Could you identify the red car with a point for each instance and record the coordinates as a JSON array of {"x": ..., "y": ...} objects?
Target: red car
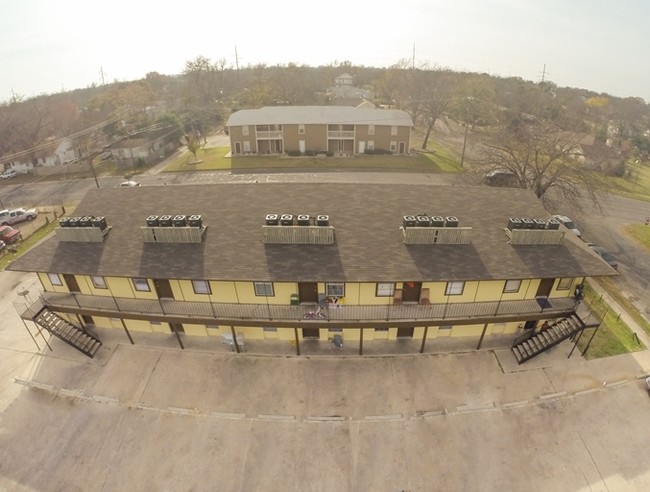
[{"x": 10, "y": 235}]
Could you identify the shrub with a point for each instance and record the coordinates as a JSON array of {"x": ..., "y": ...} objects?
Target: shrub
[
  {"x": 310, "y": 153},
  {"x": 329, "y": 153},
  {"x": 293, "y": 153}
]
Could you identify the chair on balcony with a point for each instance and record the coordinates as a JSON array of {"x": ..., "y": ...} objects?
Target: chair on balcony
[
  {"x": 424, "y": 296},
  {"x": 397, "y": 297}
]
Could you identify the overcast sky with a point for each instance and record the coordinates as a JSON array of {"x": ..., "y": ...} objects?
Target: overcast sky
[{"x": 47, "y": 46}]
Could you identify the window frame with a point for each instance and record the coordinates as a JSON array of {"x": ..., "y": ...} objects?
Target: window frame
[
  {"x": 511, "y": 290},
  {"x": 261, "y": 289},
  {"x": 371, "y": 129},
  {"x": 451, "y": 289},
  {"x": 136, "y": 280},
  {"x": 334, "y": 286},
  {"x": 55, "y": 279},
  {"x": 301, "y": 129},
  {"x": 98, "y": 281},
  {"x": 560, "y": 285},
  {"x": 245, "y": 131},
  {"x": 393, "y": 146},
  {"x": 380, "y": 286},
  {"x": 393, "y": 130},
  {"x": 206, "y": 285},
  {"x": 246, "y": 146}
]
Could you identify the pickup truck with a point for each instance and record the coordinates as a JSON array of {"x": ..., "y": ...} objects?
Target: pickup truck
[
  {"x": 10, "y": 235},
  {"x": 8, "y": 217}
]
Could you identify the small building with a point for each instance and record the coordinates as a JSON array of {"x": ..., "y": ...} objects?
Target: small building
[{"x": 319, "y": 129}]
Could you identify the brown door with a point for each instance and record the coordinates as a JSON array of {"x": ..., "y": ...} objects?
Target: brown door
[
  {"x": 545, "y": 287},
  {"x": 411, "y": 291},
  {"x": 406, "y": 332},
  {"x": 308, "y": 291},
  {"x": 163, "y": 288},
  {"x": 402, "y": 148},
  {"x": 71, "y": 282}
]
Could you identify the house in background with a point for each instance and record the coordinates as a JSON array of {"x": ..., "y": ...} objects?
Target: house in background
[
  {"x": 319, "y": 129},
  {"x": 344, "y": 93},
  {"x": 52, "y": 153},
  {"x": 144, "y": 148},
  {"x": 289, "y": 262}
]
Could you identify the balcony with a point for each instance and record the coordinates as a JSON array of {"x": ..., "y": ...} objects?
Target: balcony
[
  {"x": 287, "y": 315},
  {"x": 341, "y": 135},
  {"x": 269, "y": 135}
]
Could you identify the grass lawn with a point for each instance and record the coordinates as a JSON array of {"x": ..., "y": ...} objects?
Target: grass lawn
[
  {"x": 639, "y": 233},
  {"x": 635, "y": 186},
  {"x": 214, "y": 159},
  {"x": 613, "y": 337}
]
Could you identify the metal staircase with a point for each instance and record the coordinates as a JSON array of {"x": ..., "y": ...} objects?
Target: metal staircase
[
  {"x": 73, "y": 335},
  {"x": 529, "y": 344}
]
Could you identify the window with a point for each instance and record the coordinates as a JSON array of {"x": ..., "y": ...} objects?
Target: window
[
  {"x": 201, "y": 287},
  {"x": 335, "y": 289},
  {"x": 270, "y": 328},
  {"x": 384, "y": 328},
  {"x": 371, "y": 145},
  {"x": 301, "y": 129},
  {"x": 393, "y": 146},
  {"x": 247, "y": 146},
  {"x": 564, "y": 283},
  {"x": 98, "y": 281},
  {"x": 512, "y": 286},
  {"x": 141, "y": 284},
  {"x": 393, "y": 130},
  {"x": 264, "y": 289},
  {"x": 55, "y": 279},
  {"x": 385, "y": 289},
  {"x": 455, "y": 288},
  {"x": 244, "y": 130},
  {"x": 371, "y": 129}
]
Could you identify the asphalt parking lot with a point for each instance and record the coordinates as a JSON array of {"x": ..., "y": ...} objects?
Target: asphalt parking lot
[{"x": 153, "y": 417}]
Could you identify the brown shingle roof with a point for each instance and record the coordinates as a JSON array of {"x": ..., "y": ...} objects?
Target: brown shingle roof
[{"x": 368, "y": 244}]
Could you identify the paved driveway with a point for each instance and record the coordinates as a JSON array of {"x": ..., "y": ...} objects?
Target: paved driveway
[{"x": 153, "y": 417}]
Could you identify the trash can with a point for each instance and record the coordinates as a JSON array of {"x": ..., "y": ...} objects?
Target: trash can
[{"x": 295, "y": 300}]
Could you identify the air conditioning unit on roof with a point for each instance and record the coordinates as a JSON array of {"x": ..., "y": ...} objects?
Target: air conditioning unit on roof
[
  {"x": 195, "y": 221},
  {"x": 303, "y": 220},
  {"x": 451, "y": 221},
  {"x": 179, "y": 221},
  {"x": 408, "y": 221},
  {"x": 422, "y": 221},
  {"x": 322, "y": 220},
  {"x": 152, "y": 221},
  {"x": 272, "y": 219},
  {"x": 165, "y": 220},
  {"x": 286, "y": 219}
]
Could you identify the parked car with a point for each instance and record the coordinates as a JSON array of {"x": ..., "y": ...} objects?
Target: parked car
[
  {"x": 605, "y": 255},
  {"x": 128, "y": 184},
  {"x": 501, "y": 177},
  {"x": 8, "y": 217},
  {"x": 9, "y": 173},
  {"x": 10, "y": 235},
  {"x": 568, "y": 223}
]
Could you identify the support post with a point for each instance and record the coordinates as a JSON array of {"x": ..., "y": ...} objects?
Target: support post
[
  {"x": 480, "y": 340},
  {"x": 360, "y": 341},
  {"x": 126, "y": 330},
  {"x": 30, "y": 334},
  {"x": 575, "y": 344},
  {"x": 178, "y": 336},
  {"x": 424, "y": 339},
  {"x": 584, "y": 352},
  {"x": 295, "y": 334},
  {"x": 234, "y": 339}
]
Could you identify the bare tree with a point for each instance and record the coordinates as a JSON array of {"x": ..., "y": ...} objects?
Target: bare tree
[{"x": 544, "y": 159}]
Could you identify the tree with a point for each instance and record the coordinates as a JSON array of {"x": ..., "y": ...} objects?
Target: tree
[
  {"x": 193, "y": 143},
  {"x": 544, "y": 159}
]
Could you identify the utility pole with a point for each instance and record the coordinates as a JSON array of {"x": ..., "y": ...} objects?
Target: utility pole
[
  {"x": 101, "y": 73},
  {"x": 544, "y": 72},
  {"x": 413, "y": 59},
  {"x": 236, "y": 59}
]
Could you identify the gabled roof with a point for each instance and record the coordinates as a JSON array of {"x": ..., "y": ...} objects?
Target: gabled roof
[
  {"x": 368, "y": 241},
  {"x": 320, "y": 115}
]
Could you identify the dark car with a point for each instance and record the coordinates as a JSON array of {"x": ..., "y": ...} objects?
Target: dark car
[
  {"x": 605, "y": 255},
  {"x": 10, "y": 235},
  {"x": 501, "y": 177}
]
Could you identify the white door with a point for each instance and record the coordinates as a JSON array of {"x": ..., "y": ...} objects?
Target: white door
[
  {"x": 362, "y": 147},
  {"x": 301, "y": 145}
]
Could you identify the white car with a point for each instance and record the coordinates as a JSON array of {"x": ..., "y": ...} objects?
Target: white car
[
  {"x": 568, "y": 223},
  {"x": 128, "y": 184},
  {"x": 9, "y": 217},
  {"x": 9, "y": 173}
]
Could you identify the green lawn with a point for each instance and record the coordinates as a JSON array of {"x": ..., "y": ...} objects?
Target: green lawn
[
  {"x": 613, "y": 337},
  {"x": 637, "y": 185},
  {"x": 215, "y": 159},
  {"x": 639, "y": 233}
]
